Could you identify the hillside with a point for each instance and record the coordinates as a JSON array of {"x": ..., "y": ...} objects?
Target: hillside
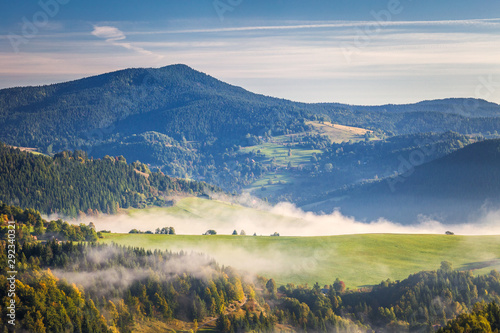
[
  {"x": 461, "y": 115},
  {"x": 95, "y": 287},
  {"x": 190, "y": 124},
  {"x": 71, "y": 183},
  {"x": 312, "y": 173},
  {"x": 359, "y": 260},
  {"x": 459, "y": 187},
  {"x": 469, "y": 107}
]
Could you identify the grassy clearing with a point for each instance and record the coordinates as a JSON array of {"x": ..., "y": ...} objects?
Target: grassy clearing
[
  {"x": 29, "y": 150},
  {"x": 279, "y": 153},
  {"x": 338, "y": 133},
  {"x": 356, "y": 259}
]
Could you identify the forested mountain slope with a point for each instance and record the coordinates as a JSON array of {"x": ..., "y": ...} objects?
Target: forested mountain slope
[
  {"x": 70, "y": 183},
  {"x": 459, "y": 187}
]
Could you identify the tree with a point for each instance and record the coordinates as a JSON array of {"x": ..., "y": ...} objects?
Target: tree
[
  {"x": 243, "y": 233},
  {"x": 223, "y": 324},
  {"x": 235, "y": 233},
  {"x": 339, "y": 286},
  {"x": 271, "y": 287},
  {"x": 39, "y": 326},
  {"x": 210, "y": 232},
  {"x": 446, "y": 266},
  {"x": 39, "y": 229}
]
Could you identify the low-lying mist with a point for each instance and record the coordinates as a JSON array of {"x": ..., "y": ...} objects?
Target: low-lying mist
[
  {"x": 196, "y": 216},
  {"x": 308, "y": 260}
]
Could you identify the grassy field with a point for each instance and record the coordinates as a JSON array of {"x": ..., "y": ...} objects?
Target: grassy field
[
  {"x": 338, "y": 133},
  {"x": 279, "y": 152},
  {"x": 356, "y": 259}
]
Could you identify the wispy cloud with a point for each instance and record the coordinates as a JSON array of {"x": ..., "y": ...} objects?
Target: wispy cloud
[
  {"x": 115, "y": 37},
  {"x": 491, "y": 23},
  {"x": 405, "y": 61},
  {"x": 110, "y": 34}
]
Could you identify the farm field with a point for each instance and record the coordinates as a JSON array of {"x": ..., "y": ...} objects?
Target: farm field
[{"x": 358, "y": 260}]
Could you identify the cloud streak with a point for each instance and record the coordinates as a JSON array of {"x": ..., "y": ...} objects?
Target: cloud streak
[
  {"x": 490, "y": 23},
  {"x": 115, "y": 37}
]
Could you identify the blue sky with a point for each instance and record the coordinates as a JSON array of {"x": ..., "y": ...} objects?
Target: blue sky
[{"x": 356, "y": 52}]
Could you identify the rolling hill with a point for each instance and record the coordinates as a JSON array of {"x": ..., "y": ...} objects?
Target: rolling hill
[
  {"x": 457, "y": 188},
  {"x": 359, "y": 260}
]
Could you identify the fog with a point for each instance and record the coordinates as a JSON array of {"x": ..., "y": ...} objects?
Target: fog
[
  {"x": 114, "y": 279},
  {"x": 255, "y": 216}
]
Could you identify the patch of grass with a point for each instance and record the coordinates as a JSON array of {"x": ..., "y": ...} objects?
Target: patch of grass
[
  {"x": 279, "y": 153},
  {"x": 338, "y": 133},
  {"x": 154, "y": 326},
  {"x": 358, "y": 260}
]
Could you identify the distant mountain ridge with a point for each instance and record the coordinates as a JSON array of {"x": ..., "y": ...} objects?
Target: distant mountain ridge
[{"x": 467, "y": 107}]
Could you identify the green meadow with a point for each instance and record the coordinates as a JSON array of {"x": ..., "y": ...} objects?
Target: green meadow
[{"x": 358, "y": 260}]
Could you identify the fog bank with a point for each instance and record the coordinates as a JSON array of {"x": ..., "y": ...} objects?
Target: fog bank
[{"x": 196, "y": 216}]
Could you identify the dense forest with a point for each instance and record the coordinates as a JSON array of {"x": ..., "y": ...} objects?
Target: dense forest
[
  {"x": 67, "y": 287},
  {"x": 175, "y": 100},
  {"x": 71, "y": 183},
  {"x": 420, "y": 303},
  {"x": 87, "y": 287},
  {"x": 31, "y": 226}
]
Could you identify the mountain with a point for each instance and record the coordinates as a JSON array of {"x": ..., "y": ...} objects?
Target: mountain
[
  {"x": 457, "y": 188},
  {"x": 183, "y": 103},
  {"x": 71, "y": 183},
  {"x": 175, "y": 100},
  {"x": 189, "y": 124}
]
